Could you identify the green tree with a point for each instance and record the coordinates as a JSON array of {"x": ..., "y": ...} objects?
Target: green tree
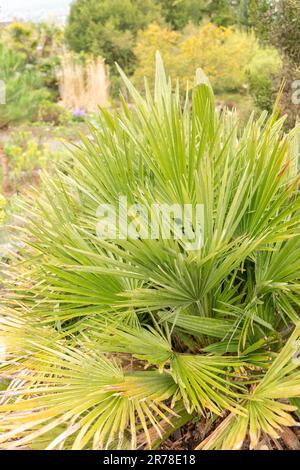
[
  {"x": 285, "y": 33},
  {"x": 255, "y": 14},
  {"x": 278, "y": 22},
  {"x": 41, "y": 44},
  {"x": 221, "y": 12},
  {"x": 107, "y": 28},
  {"x": 177, "y": 13},
  {"x": 22, "y": 93}
]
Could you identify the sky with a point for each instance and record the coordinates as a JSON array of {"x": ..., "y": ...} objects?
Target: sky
[{"x": 33, "y": 9}]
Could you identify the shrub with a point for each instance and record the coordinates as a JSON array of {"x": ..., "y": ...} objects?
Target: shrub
[
  {"x": 223, "y": 53},
  {"x": 40, "y": 46},
  {"x": 53, "y": 113},
  {"x": 36, "y": 41},
  {"x": 263, "y": 73},
  {"x": 22, "y": 38},
  {"x": 104, "y": 340},
  {"x": 27, "y": 156},
  {"x": 155, "y": 38},
  {"x": 48, "y": 69},
  {"x": 261, "y": 89}
]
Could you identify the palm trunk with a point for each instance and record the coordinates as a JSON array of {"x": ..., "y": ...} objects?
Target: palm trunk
[{"x": 6, "y": 186}]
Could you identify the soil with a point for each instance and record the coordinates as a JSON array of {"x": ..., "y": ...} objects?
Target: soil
[{"x": 192, "y": 434}]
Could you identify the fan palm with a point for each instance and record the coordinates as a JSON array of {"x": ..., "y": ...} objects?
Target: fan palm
[{"x": 117, "y": 342}]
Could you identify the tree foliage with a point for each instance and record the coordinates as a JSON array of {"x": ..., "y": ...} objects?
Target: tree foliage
[
  {"x": 225, "y": 54},
  {"x": 108, "y": 28},
  {"x": 278, "y": 23},
  {"x": 221, "y": 12},
  {"x": 21, "y": 92},
  {"x": 178, "y": 13},
  {"x": 257, "y": 14},
  {"x": 22, "y": 88},
  {"x": 285, "y": 33}
]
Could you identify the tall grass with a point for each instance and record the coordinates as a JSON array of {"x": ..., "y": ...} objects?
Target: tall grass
[{"x": 84, "y": 85}]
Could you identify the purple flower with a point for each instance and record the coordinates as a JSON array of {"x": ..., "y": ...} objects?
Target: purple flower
[{"x": 79, "y": 113}]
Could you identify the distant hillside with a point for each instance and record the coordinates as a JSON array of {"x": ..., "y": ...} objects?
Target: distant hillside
[{"x": 34, "y": 9}]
